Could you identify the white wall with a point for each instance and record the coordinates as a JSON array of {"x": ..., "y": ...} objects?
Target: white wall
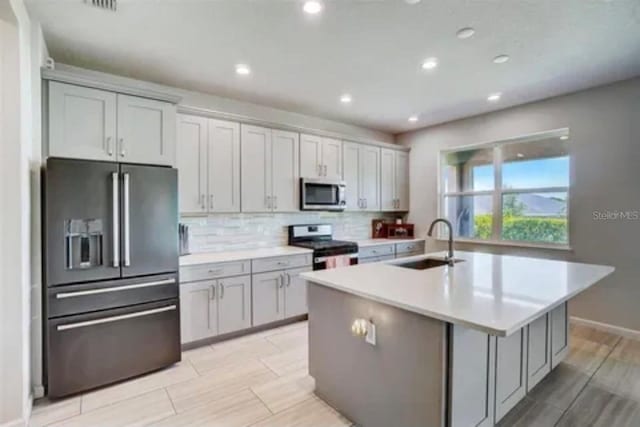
[{"x": 604, "y": 124}]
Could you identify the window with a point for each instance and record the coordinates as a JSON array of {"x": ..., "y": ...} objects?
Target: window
[{"x": 510, "y": 191}]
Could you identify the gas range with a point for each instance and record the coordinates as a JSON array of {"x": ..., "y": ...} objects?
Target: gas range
[{"x": 319, "y": 238}]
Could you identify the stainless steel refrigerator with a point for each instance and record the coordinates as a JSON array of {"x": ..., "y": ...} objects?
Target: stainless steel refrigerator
[{"x": 111, "y": 301}]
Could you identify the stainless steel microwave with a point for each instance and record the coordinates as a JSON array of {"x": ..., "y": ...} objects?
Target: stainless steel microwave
[{"x": 322, "y": 194}]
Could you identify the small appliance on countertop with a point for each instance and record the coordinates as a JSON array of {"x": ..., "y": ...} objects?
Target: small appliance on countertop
[
  {"x": 327, "y": 252},
  {"x": 183, "y": 239}
]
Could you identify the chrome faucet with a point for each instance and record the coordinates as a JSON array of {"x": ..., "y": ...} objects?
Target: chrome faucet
[{"x": 449, "y": 256}]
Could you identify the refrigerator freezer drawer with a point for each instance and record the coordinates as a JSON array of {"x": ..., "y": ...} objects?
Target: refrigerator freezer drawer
[
  {"x": 90, "y": 350},
  {"x": 90, "y": 297}
]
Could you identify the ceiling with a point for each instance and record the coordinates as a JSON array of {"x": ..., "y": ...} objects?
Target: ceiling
[{"x": 371, "y": 49}]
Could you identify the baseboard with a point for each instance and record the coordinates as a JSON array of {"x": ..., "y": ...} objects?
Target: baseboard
[
  {"x": 38, "y": 391},
  {"x": 618, "y": 330},
  {"x": 15, "y": 423}
]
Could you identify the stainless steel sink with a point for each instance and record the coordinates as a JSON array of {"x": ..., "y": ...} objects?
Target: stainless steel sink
[{"x": 426, "y": 263}]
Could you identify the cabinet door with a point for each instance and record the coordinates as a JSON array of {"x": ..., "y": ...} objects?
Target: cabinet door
[
  {"x": 224, "y": 166},
  {"x": 198, "y": 315},
  {"x": 472, "y": 359},
  {"x": 538, "y": 351},
  {"x": 350, "y": 174},
  {"x": 387, "y": 180},
  {"x": 82, "y": 122},
  {"x": 402, "y": 180},
  {"x": 256, "y": 169},
  {"x": 146, "y": 131},
  {"x": 285, "y": 172},
  {"x": 234, "y": 304},
  {"x": 559, "y": 334},
  {"x": 332, "y": 158},
  {"x": 267, "y": 300},
  {"x": 310, "y": 156},
  {"x": 295, "y": 292},
  {"x": 511, "y": 372},
  {"x": 370, "y": 177},
  {"x": 191, "y": 161}
]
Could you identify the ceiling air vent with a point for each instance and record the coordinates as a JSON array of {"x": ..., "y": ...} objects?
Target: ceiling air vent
[{"x": 104, "y": 4}]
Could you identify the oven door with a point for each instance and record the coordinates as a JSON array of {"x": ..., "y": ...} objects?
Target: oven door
[{"x": 317, "y": 194}]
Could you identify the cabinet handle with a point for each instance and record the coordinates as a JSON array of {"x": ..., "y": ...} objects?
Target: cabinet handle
[
  {"x": 211, "y": 201},
  {"x": 123, "y": 152},
  {"x": 216, "y": 271},
  {"x": 319, "y": 169},
  {"x": 288, "y": 279},
  {"x": 221, "y": 290},
  {"x": 109, "y": 146},
  {"x": 202, "y": 205},
  {"x": 325, "y": 170},
  {"x": 275, "y": 202},
  {"x": 212, "y": 292},
  {"x": 365, "y": 203},
  {"x": 281, "y": 281},
  {"x": 267, "y": 202}
]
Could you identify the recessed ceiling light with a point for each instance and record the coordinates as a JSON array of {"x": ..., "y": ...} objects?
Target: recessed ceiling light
[
  {"x": 430, "y": 63},
  {"x": 243, "y": 69},
  {"x": 564, "y": 137},
  {"x": 312, "y": 7},
  {"x": 501, "y": 59},
  {"x": 465, "y": 33},
  {"x": 413, "y": 119},
  {"x": 494, "y": 97},
  {"x": 346, "y": 98}
]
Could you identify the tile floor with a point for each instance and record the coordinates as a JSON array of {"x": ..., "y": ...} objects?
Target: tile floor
[{"x": 262, "y": 380}]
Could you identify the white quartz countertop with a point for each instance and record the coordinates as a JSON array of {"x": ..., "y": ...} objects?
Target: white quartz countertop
[
  {"x": 494, "y": 293},
  {"x": 213, "y": 257},
  {"x": 378, "y": 242}
]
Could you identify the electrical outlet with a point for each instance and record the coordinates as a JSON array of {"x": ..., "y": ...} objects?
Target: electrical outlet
[{"x": 370, "y": 338}]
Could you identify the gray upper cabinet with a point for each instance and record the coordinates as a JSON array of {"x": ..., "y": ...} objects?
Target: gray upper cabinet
[
  {"x": 295, "y": 292},
  {"x": 320, "y": 157},
  {"x": 223, "y": 166},
  {"x": 394, "y": 187},
  {"x": 511, "y": 372},
  {"x": 146, "y": 131},
  {"x": 82, "y": 122},
  {"x": 198, "y": 311},
  {"x": 361, "y": 172},
  {"x": 234, "y": 304},
  {"x": 270, "y": 170},
  {"x": 192, "y": 163},
  {"x": 267, "y": 297},
  {"x": 92, "y": 124}
]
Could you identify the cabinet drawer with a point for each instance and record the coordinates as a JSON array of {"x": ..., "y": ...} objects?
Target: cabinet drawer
[
  {"x": 409, "y": 254},
  {"x": 381, "y": 250},
  {"x": 371, "y": 259},
  {"x": 409, "y": 247},
  {"x": 280, "y": 263},
  {"x": 213, "y": 271}
]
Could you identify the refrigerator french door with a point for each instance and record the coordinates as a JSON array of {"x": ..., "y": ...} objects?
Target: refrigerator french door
[{"x": 111, "y": 272}]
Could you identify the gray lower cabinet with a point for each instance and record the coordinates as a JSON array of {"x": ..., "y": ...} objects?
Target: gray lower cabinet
[
  {"x": 472, "y": 360},
  {"x": 198, "y": 311},
  {"x": 559, "y": 326},
  {"x": 511, "y": 371},
  {"x": 369, "y": 260},
  {"x": 213, "y": 307},
  {"x": 279, "y": 295},
  {"x": 234, "y": 304},
  {"x": 538, "y": 351}
]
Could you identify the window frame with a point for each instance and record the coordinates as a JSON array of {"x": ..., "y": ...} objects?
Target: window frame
[{"x": 498, "y": 192}]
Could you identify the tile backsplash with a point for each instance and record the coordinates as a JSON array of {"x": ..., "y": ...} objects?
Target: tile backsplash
[{"x": 228, "y": 232}]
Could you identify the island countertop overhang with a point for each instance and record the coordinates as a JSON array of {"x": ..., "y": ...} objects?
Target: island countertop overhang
[{"x": 497, "y": 294}]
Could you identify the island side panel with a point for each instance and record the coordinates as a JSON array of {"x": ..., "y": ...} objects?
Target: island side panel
[{"x": 401, "y": 381}]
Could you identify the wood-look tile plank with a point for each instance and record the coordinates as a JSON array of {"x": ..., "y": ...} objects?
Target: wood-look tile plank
[
  {"x": 285, "y": 392},
  {"x": 529, "y": 413},
  {"x": 136, "y": 412},
  {"x": 234, "y": 352},
  {"x": 627, "y": 350},
  {"x": 45, "y": 411},
  {"x": 311, "y": 413},
  {"x": 560, "y": 387},
  {"x": 179, "y": 372},
  {"x": 218, "y": 383},
  {"x": 236, "y": 410},
  {"x": 288, "y": 361},
  {"x": 619, "y": 377},
  {"x": 289, "y": 340},
  {"x": 586, "y": 355},
  {"x": 597, "y": 407},
  {"x": 591, "y": 334}
]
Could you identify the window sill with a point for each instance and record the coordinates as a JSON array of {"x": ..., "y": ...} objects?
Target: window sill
[{"x": 510, "y": 244}]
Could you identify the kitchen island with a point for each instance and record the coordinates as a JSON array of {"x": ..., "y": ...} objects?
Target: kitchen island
[{"x": 450, "y": 345}]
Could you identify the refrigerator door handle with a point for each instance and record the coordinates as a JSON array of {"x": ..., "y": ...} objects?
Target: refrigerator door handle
[
  {"x": 127, "y": 223},
  {"x": 115, "y": 318},
  {"x": 116, "y": 220}
]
